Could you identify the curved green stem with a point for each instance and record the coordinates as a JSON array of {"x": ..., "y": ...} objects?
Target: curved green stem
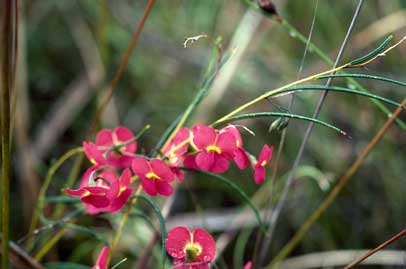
[
  {"x": 41, "y": 196},
  {"x": 280, "y": 114}
]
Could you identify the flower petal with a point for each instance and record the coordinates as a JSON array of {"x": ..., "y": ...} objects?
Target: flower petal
[
  {"x": 206, "y": 241},
  {"x": 266, "y": 154},
  {"x": 190, "y": 162},
  {"x": 226, "y": 142},
  {"x": 93, "y": 154},
  {"x": 176, "y": 241},
  {"x": 161, "y": 169},
  {"x": 125, "y": 178},
  {"x": 163, "y": 188},
  {"x": 149, "y": 187},
  {"x": 140, "y": 167},
  {"x": 96, "y": 200},
  {"x": 120, "y": 201},
  {"x": 259, "y": 175},
  {"x": 203, "y": 136},
  {"x": 220, "y": 164},
  {"x": 109, "y": 175},
  {"x": 104, "y": 138},
  {"x": 123, "y": 135},
  {"x": 241, "y": 158},
  {"x": 101, "y": 262},
  {"x": 205, "y": 160},
  {"x": 77, "y": 193}
]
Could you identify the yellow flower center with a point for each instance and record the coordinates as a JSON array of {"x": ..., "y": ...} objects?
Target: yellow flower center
[
  {"x": 263, "y": 163},
  {"x": 213, "y": 148},
  {"x": 122, "y": 189},
  {"x": 192, "y": 251},
  {"x": 152, "y": 175}
]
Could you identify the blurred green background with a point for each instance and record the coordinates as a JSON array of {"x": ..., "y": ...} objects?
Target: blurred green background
[{"x": 70, "y": 51}]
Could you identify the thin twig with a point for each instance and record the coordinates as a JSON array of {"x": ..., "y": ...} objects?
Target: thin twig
[
  {"x": 282, "y": 200},
  {"x": 122, "y": 66},
  {"x": 339, "y": 258},
  {"x": 294, "y": 241},
  {"x": 375, "y": 250}
]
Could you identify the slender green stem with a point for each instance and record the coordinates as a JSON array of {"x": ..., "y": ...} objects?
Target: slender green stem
[
  {"x": 343, "y": 181},
  {"x": 5, "y": 130},
  {"x": 45, "y": 185}
]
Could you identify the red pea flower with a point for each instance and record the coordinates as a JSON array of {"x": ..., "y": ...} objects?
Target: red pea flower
[
  {"x": 216, "y": 149},
  {"x": 263, "y": 159},
  {"x": 193, "y": 249},
  {"x": 155, "y": 175},
  {"x": 101, "y": 262},
  {"x": 241, "y": 157},
  {"x": 175, "y": 150},
  {"x": 106, "y": 194},
  {"x": 111, "y": 147}
]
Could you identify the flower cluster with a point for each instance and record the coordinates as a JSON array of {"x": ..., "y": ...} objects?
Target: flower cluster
[{"x": 107, "y": 184}]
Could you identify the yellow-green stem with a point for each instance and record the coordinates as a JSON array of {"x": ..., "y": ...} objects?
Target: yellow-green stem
[
  {"x": 44, "y": 250},
  {"x": 279, "y": 90},
  {"x": 295, "y": 240},
  {"x": 125, "y": 217}
]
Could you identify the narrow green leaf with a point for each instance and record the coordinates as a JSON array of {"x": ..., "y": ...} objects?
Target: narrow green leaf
[
  {"x": 162, "y": 224},
  {"x": 373, "y": 53},
  {"x": 235, "y": 188},
  {"x": 338, "y": 89},
  {"x": 86, "y": 230},
  {"x": 280, "y": 114},
  {"x": 63, "y": 199},
  {"x": 147, "y": 219},
  {"x": 344, "y": 75},
  {"x": 119, "y": 263},
  {"x": 65, "y": 265}
]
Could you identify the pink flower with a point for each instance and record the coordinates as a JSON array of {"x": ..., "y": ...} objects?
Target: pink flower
[
  {"x": 241, "y": 157},
  {"x": 175, "y": 150},
  {"x": 101, "y": 262},
  {"x": 263, "y": 159},
  {"x": 248, "y": 265},
  {"x": 155, "y": 175},
  {"x": 215, "y": 149},
  {"x": 193, "y": 249},
  {"x": 106, "y": 193},
  {"x": 111, "y": 148}
]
